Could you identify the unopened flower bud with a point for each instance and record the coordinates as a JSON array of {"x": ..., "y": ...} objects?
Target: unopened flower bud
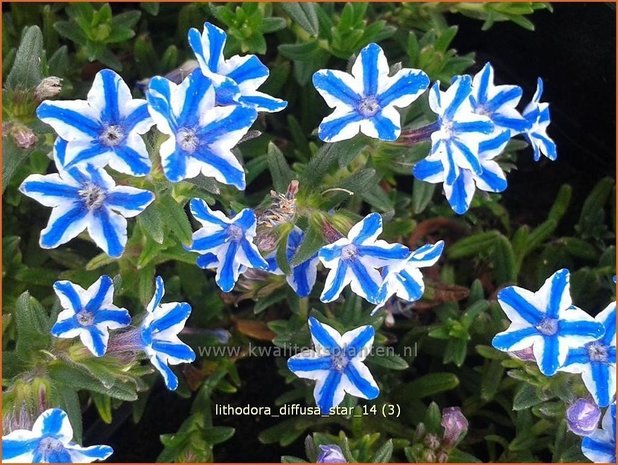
[
  {"x": 48, "y": 88},
  {"x": 22, "y": 135},
  {"x": 527, "y": 355},
  {"x": 330, "y": 233},
  {"x": 429, "y": 456},
  {"x": 455, "y": 426},
  {"x": 431, "y": 441},
  {"x": 442, "y": 457},
  {"x": 583, "y": 417},
  {"x": 330, "y": 453}
]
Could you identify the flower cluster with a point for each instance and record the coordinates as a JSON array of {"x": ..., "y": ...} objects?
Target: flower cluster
[{"x": 565, "y": 338}]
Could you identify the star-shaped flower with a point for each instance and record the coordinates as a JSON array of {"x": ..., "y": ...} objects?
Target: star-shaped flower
[
  {"x": 86, "y": 197},
  {"x": 459, "y": 130},
  {"x": 49, "y": 441},
  {"x": 236, "y": 80},
  {"x": 159, "y": 334},
  {"x": 546, "y": 320},
  {"x": 596, "y": 360},
  {"x": 89, "y": 314},
  {"x": 404, "y": 278},
  {"x": 461, "y": 192},
  {"x": 600, "y": 446},
  {"x": 229, "y": 239},
  {"x": 202, "y": 135},
  {"x": 367, "y": 100},
  {"x": 302, "y": 277},
  {"x": 497, "y": 102},
  {"x": 355, "y": 260},
  {"x": 105, "y": 129},
  {"x": 336, "y": 364},
  {"x": 537, "y": 115}
]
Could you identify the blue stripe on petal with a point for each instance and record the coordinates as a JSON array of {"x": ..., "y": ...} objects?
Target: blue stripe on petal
[
  {"x": 195, "y": 92},
  {"x": 158, "y": 294},
  {"x": 309, "y": 364},
  {"x": 598, "y": 451},
  {"x": 139, "y": 165},
  {"x": 495, "y": 182},
  {"x": 171, "y": 349},
  {"x": 252, "y": 68},
  {"x": 57, "y": 456},
  {"x": 253, "y": 255},
  {"x": 394, "y": 252},
  {"x": 581, "y": 328},
  {"x": 203, "y": 244},
  {"x": 105, "y": 283},
  {"x": 525, "y": 309},
  {"x": 206, "y": 260},
  {"x": 135, "y": 117},
  {"x": 579, "y": 356},
  {"x": 326, "y": 396},
  {"x": 368, "y": 285},
  {"x": 54, "y": 235},
  {"x": 328, "y": 82},
  {"x": 600, "y": 377},
  {"x": 228, "y": 269},
  {"x": 559, "y": 285},
  {"x": 246, "y": 219},
  {"x": 369, "y": 390},
  {"x": 170, "y": 379},
  {"x": 322, "y": 336},
  {"x": 92, "y": 453},
  {"x": 462, "y": 91},
  {"x": 331, "y": 293},
  {"x": 482, "y": 127},
  {"x": 300, "y": 279},
  {"x": 514, "y": 124},
  {"x": 457, "y": 196},
  {"x": 450, "y": 167},
  {"x": 511, "y": 93},
  {"x": 66, "y": 288},
  {"x": 485, "y": 77},
  {"x": 112, "y": 316},
  {"x": 506, "y": 340},
  {"x": 64, "y": 326},
  {"x": 549, "y": 362},
  {"x": 177, "y": 315},
  {"x": 263, "y": 102},
  {"x": 199, "y": 209},
  {"x": 53, "y": 421},
  {"x": 330, "y": 252},
  {"x": 369, "y": 59},
  {"x": 14, "y": 448},
  {"x": 48, "y": 111},
  {"x": 99, "y": 346},
  {"x": 408, "y": 83},
  {"x": 370, "y": 225},
  {"x": 175, "y": 165},
  {"x": 386, "y": 129},
  {"x": 133, "y": 202},
  {"x": 195, "y": 42},
  {"x": 216, "y": 41},
  {"x": 231, "y": 174},
  {"x": 51, "y": 189},
  {"x": 427, "y": 169},
  {"x": 86, "y": 155},
  {"x": 240, "y": 118},
  {"x": 110, "y": 113},
  {"x": 357, "y": 345},
  {"x": 113, "y": 245},
  {"x": 329, "y": 130},
  {"x": 472, "y": 159},
  {"x": 413, "y": 288}
]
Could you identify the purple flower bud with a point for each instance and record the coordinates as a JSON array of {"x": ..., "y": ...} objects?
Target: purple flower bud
[
  {"x": 330, "y": 453},
  {"x": 455, "y": 426},
  {"x": 527, "y": 355},
  {"x": 48, "y": 88},
  {"x": 583, "y": 417}
]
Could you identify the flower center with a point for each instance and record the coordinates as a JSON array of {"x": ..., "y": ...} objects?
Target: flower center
[
  {"x": 339, "y": 360},
  {"x": 112, "y": 135},
  {"x": 84, "y": 317},
  {"x": 187, "y": 140},
  {"x": 49, "y": 444},
  {"x": 447, "y": 128},
  {"x": 92, "y": 195},
  {"x": 548, "y": 326},
  {"x": 368, "y": 106},
  {"x": 349, "y": 251},
  {"x": 235, "y": 233},
  {"x": 597, "y": 351}
]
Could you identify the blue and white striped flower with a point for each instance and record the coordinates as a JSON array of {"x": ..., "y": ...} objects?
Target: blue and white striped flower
[
  {"x": 302, "y": 277},
  {"x": 355, "y": 260},
  {"x": 89, "y": 314},
  {"x": 336, "y": 364},
  {"x": 86, "y": 197},
  {"x": 460, "y": 130},
  {"x": 538, "y": 117},
  {"x": 49, "y": 441},
  {"x": 236, "y": 80},
  {"x": 497, "y": 102},
  {"x": 159, "y": 333},
  {"x": 596, "y": 361},
  {"x": 547, "y": 320},
  {"x": 404, "y": 278},
  {"x": 105, "y": 129},
  {"x": 600, "y": 446},
  {"x": 367, "y": 100},
  {"x": 461, "y": 192},
  {"x": 229, "y": 240},
  {"x": 202, "y": 135}
]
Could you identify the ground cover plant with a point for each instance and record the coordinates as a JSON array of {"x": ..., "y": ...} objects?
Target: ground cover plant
[{"x": 291, "y": 216}]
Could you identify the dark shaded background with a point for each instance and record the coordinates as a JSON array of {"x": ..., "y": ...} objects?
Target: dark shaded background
[{"x": 573, "y": 49}]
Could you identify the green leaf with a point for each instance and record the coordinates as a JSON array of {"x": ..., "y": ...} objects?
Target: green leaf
[
  {"x": 33, "y": 326},
  {"x": 472, "y": 245},
  {"x": 422, "y": 192},
  {"x": 27, "y": 70},
  {"x": 282, "y": 251},
  {"x": 526, "y": 397},
  {"x": 312, "y": 242},
  {"x": 71, "y": 31},
  {"x": 539, "y": 234},
  {"x": 303, "y": 51},
  {"x": 174, "y": 216},
  {"x": 304, "y": 14},
  {"x": 431, "y": 384},
  {"x": 151, "y": 222},
  {"x": 561, "y": 203},
  {"x": 493, "y": 373},
  {"x": 280, "y": 171},
  {"x": 391, "y": 361},
  {"x": 12, "y": 158},
  {"x": 78, "y": 379},
  {"x": 327, "y": 157},
  {"x": 504, "y": 260},
  {"x": 384, "y": 453},
  {"x": 103, "y": 403},
  {"x": 218, "y": 434},
  {"x": 126, "y": 20}
]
